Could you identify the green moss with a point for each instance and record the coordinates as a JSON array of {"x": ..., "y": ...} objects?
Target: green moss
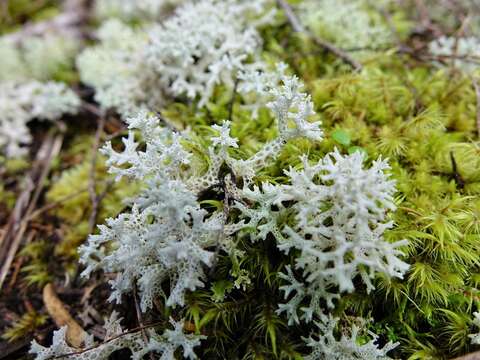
[
  {"x": 16, "y": 12},
  {"x": 27, "y": 323},
  {"x": 38, "y": 268},
  {"x": 71, "y": 192},
  {"x": 421, "y": 118}
]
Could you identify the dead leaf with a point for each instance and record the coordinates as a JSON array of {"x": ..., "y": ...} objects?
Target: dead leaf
[{"x": 55, "y": 307}]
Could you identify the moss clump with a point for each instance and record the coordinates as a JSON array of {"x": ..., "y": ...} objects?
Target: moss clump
[{"x": 71, "y": 192}]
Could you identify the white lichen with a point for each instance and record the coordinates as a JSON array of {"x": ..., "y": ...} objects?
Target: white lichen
[
  {"x": 114, "y": 69},
  {"x": 203, "y": 44},
  {"x": 167, "y": 235},
  {"x": 340, "y": 209},
  {"x": 349, "y": 24},
  {"x": 475, "y": 337},
  {"x": 116, "y": 339},
  {"x": 326, "y": 345},
  {"x": 332, "y": 213},
  {"x": 36, "y": 57},
  {"x": 461, "y": 52},
  {"x": 340, "y": 212},
  {"x": 21, "y": 102}
]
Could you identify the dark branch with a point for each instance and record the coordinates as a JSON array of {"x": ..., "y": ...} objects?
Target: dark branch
[{"x": 298, "y": 27}]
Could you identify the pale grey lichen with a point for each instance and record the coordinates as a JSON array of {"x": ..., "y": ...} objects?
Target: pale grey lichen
[
  {"x": 21, "y": 102},
  {"x": 326, "y": 345},
  {"x": 116, "y": 339},
  {"x": 201, "y": 45},
  {"x": 337, "y": 210},
  {"x": 167, "y": 235},
  {"x": 475, "y": 337},
  {"x": 461, "y": 52},
  {"x": 349, "y": 24},
  {"x": 36, "y": 57},
  {"x": 340, "y": 212}
]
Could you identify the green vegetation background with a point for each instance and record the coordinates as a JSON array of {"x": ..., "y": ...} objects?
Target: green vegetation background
[{"x": 419, "y": 116}]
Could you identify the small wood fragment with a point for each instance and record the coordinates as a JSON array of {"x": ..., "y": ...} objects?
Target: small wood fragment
[{"x": 14, "y": 231}]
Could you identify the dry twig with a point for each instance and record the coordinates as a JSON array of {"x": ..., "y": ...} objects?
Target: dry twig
[
  {"x": 298, "y": 27},
  {"x": 54, "y": 204},
  {"x": 132, "y": 331},
  {"x": 94, "y": 198},
  {"x": 16, "y": 227},
  {"x": 138, "y": 312},
  {"x": 232, "y": 100},
  {"x": 456, "y": 175},
  {"x": 19, "y": 262}
]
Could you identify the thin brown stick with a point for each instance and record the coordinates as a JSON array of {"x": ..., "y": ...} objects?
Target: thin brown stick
[
  {"x": 411, "y": 211},
  {"x": 232, "y": 100},
  {"x": 17, "y": 225},
  {"x": 94, "y": 198},
  {"x": 19, "y": 263},
  {"x": 458, "y": 34},
  {"x": 438, "y": 58},
  {"x": 93, "y": 109},
  {"x": 54, "y": 204},
  {"x": 388, "y": 19},
  {"x": 403, "y": 49},
  {"x": 132, "y": 331},
  {"x": 298, "y": 27},
  {"x": 138, "y": 313},
  {"x": 456, "y": 174},
  {"x": 54, "y": 151},
  {"x": 13, "y": 222}
]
